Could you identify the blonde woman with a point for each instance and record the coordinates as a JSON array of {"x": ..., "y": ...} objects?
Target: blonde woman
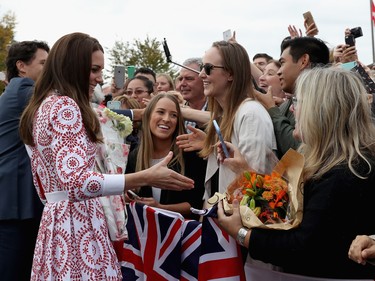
[
  {"x": 164, "y": 83},
  {"x": 334, "y": 124}
]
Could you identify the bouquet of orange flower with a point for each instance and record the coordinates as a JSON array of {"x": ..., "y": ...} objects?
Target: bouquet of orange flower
[
  {"x": 266, "y": 195},
  {"x": 273, "y": 200}
]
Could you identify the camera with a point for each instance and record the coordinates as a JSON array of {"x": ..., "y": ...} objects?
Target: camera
[
  {"x": 349, "y": 40},
  {"x": 356, "y": 32}
]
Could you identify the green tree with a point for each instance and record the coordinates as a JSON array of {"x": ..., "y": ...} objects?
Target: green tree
[
  {"x": 148, "y": 53},
  {"x": 7, "y": 26}
]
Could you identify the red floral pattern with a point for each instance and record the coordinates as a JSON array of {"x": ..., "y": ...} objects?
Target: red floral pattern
[{"x": 73, "y": 242}]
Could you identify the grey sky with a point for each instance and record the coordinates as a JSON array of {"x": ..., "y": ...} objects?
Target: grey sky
[{"x": 191, "y": 26}]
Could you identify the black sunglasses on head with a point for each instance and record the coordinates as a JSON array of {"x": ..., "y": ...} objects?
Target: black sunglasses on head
[{"x": 208, "y": 67}]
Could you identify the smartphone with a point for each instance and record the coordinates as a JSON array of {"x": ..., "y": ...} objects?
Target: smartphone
[
  {"x": 349, "y": 40},
  {"x": 223, "y": 145},
  {"x": 133, "y": 195},
  {"x": 131, "y": 70},
  {"x": 309, "y": 19},
  {"x": 119, "y": 76},
  {"x": 227, "y": 34},
  {"x": 114, "y": 104}
]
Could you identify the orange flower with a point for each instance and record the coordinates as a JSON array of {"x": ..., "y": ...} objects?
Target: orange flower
[{"x": 267, "y": 192}]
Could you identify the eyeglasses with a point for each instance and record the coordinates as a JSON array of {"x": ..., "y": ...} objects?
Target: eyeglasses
[
  {"x": 295, "y": 102},
  {"x": 136, "y": 92},
  {"x": 208, "y": 67}
]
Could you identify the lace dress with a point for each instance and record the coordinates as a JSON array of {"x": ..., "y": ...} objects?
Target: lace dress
[{"x": 73, "y": 241}]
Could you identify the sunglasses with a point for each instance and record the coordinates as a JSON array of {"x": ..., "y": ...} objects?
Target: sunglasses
[
  {"x": 295, "y": 102},
  {"x": 208, "y": 67},
  {"x": 136, "y": 92}
]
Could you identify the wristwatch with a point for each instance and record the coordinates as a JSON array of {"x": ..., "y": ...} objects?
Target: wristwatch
[{"x": 241, "y": 236}]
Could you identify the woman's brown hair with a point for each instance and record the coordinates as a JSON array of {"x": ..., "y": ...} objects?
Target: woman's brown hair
[{"x": 66, "y": 71}]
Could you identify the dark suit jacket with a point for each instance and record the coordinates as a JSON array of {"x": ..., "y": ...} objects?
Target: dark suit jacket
[{"x": 18, "y": 197}]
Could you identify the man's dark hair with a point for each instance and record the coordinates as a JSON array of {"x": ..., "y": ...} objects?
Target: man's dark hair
[
  {"x": 145, "y": 70},
  {"x": 314, "y": 47},
  {"x": 23, "y": 51},
  {"x": 262, "y": 55}
]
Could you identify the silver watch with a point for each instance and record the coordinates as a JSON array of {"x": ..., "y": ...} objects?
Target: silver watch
[{"x": 241, "y": 236}]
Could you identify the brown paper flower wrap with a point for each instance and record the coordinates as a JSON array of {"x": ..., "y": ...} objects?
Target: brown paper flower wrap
[{"x": 289, "y": 168}]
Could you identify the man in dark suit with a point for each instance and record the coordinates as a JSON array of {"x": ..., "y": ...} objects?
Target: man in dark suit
[{"x": 20, "y": 206}]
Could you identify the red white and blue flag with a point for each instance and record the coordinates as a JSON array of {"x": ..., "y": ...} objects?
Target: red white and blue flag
[{"x": 164, "y": 246}]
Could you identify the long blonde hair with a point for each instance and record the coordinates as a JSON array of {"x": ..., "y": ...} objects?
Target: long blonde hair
[
  {"x": 334, "y": 121},
  {"x": 235, "y": 61},
  {"x": 146, "y": 146}
]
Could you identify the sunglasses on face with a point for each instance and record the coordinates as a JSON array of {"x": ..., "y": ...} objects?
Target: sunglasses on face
[
  {"x": 295, "y": 102},
  {"x": 136, "y": 92},
  {"x": 208, "y": 67}
]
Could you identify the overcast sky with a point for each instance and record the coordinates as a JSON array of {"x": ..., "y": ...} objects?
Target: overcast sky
[{"x": 190, "y": 26}]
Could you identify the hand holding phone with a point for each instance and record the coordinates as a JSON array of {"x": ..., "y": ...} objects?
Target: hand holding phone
[
  {"x": 112, "y": 104},
  {"x": 309, "y": 20},
  {"x": 223, "y": 145},
  {"x": 132, "y": 195}
]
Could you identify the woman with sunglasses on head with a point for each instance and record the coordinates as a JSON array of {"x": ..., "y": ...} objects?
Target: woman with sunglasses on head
[
  {"x": 243, "y": 121},
  {"x": 61, "y": 132}
]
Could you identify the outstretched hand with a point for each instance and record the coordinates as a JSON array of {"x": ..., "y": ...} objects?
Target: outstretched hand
[
  {"x": 266, "y": 99},
  {"x": 293, "y": 32},
  {"x": 161, "y": 176},
  {"x": 193, "y": 141}
]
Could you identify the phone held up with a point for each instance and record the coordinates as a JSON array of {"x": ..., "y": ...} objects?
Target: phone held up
[
  {"x": 354, "y": 33},
  {"x": 223, "y": 145},
  {"x": 310, "y": 20},
  {"x": 119, "y": 76},
  {"x": 227, "y": 34}
]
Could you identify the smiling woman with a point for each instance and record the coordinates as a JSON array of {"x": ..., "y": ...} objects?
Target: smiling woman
[{"x": 162, "y": 122}]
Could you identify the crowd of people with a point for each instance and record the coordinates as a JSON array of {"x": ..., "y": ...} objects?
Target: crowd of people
[{"x": 52, "y": 224}]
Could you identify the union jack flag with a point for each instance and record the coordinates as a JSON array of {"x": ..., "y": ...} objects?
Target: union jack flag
[{"x": 164, "y": 246}]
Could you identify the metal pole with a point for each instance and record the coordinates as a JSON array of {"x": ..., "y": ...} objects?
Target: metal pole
[{"x": 372, "y": 32}]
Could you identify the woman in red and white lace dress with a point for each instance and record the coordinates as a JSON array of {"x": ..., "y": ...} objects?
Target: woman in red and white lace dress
[{"x": 61, "y": 132}]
